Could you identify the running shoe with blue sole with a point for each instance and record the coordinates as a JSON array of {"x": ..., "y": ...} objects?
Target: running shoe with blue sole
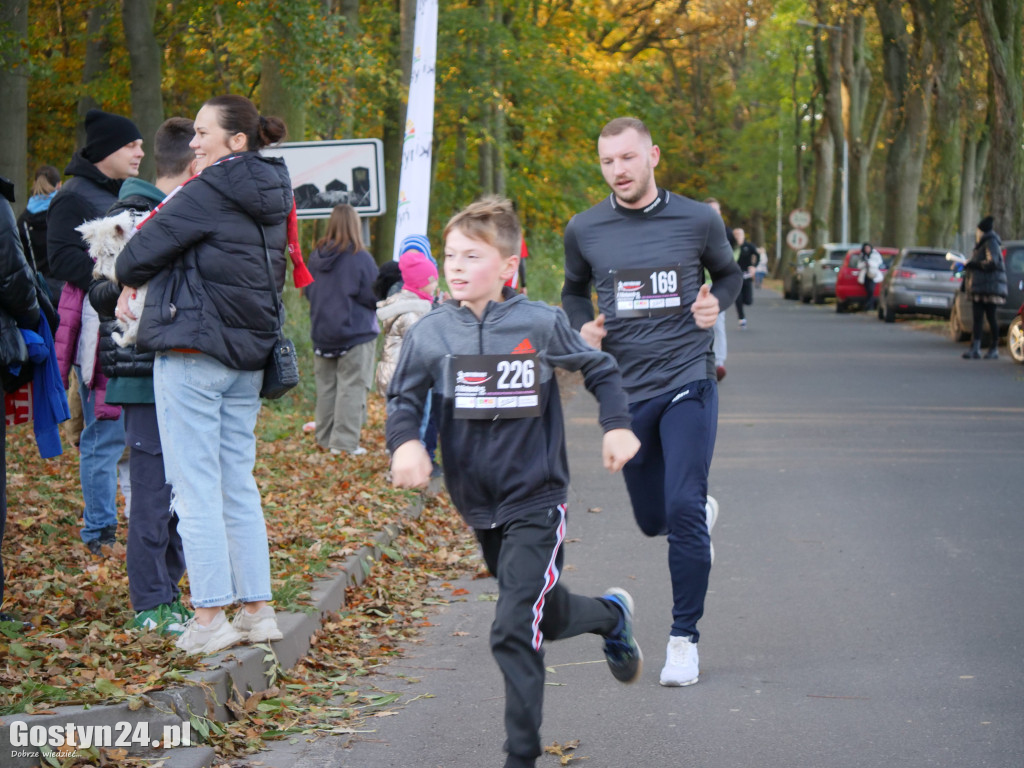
[{"x": 620, "y": 648}]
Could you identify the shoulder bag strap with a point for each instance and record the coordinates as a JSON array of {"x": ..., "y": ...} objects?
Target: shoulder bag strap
[
  {"x": 270, "y": 277},
  {"x": 28, "y": 242}
]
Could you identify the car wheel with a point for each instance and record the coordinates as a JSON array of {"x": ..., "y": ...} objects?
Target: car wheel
[
  {"x": 1015, "y": 339},
  {"x": 956, "y": 328},
  {"x": 889, "y": 314},
  {"x": 817, "y": 295}
]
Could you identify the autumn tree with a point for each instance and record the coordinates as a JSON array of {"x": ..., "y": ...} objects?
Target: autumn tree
[
  {"x": 14, "y": 79},
  {"x": 1001, "y": 22},
  {"x": 144, "y": 52}
]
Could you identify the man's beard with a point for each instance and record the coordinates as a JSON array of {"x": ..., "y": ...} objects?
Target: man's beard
[{"x": 640, "y": 190}]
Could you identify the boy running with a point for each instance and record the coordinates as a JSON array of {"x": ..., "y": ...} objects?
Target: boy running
[{"x": 489, "y": 357}]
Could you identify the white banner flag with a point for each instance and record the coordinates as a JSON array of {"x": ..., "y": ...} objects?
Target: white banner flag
[{"x": 414, "y": 183}]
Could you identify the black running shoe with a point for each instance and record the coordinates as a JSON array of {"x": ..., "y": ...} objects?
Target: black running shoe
[{"x": 620, "y": 648}]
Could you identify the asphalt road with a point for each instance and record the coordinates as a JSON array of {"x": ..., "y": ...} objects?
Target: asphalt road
[{"x": 866, "y": 605}]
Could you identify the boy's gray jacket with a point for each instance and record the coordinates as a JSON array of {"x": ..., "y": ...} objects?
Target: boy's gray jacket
[{"x": 495, "y": 469}]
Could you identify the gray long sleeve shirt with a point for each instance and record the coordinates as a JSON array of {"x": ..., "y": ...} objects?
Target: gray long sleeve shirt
[{"x": 615, "y": 249}]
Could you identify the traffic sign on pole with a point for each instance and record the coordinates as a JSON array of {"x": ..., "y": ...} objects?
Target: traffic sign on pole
[
  {"x": 797, "y": 239},
  {"x": 799, "y": 218}
]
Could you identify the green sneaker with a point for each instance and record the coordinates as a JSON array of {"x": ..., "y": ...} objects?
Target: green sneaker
[
  {"x": 180, "y": 612},
  {"x": 160, "y": 619}
]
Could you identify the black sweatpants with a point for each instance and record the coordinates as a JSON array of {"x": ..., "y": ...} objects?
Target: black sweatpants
[
  {"x": 980, "y": 312},
  {"x": 155, "y": 559},
  {"x": 525, "y": 555}
]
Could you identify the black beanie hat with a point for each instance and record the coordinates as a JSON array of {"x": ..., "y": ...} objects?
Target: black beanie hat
[
  {"x": 985, "y": 225},
  {"x": 106, "y": 133}
]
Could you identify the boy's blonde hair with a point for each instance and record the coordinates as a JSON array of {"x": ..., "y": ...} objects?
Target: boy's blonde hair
[{"x": 491, "y": 219}]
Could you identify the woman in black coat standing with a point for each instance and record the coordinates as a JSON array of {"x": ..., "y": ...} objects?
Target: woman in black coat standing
[
  {"x": 213, "y": 255},
  {"x": 986, "y": 285}
]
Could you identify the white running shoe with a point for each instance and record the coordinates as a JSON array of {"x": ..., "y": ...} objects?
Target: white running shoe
[
  {"x": 257, "y": 627},
  {"x": 217, "y": 636},
  {"x": 711, "y": 515},
  {"x": 682, "y": 664}
]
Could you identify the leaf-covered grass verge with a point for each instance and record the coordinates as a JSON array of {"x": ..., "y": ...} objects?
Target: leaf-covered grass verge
[{"x": 319, "y": 508}]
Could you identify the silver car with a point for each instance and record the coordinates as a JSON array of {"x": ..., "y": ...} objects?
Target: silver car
[
  {"x": 818, "y": 281},
  {"x": 791, "y": 278},
  {"x": 921, "y": 281}
]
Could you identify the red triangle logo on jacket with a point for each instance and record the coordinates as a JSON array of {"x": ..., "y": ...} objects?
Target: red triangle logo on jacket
[{"x": 524, "y": 348}]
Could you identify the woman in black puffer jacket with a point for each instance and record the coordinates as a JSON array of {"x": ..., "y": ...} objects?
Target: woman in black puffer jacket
[
  {"x": 986, "y": 285},
  {"x": 213, "y": 255}
]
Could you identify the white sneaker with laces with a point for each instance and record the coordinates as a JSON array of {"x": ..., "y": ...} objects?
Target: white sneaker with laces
[
  {"x": 711, "y": 515},
  {"x": 682, "y": 664},
  {"x": 258, "y": 627},
  {"x": 217, "y": 636}
]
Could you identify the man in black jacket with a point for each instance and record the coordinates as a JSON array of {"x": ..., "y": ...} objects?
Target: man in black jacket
[
  {"x": 746, "y": 257},
  {"x": 155, "y": 559},
  {"x": 112, "y": 153},
  {"x": 18, "y": 300}
]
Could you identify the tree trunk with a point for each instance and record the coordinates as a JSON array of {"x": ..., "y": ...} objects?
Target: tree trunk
[
  {"x": 349, "y": 10},
  {"x": 907, "y": 57},
  {"x": 1000, "y": 22},
  {"x": 799, "y": 113},
  {"x": 857, "y": 80},
  {"x": 394, "y": 131},
  {"x": 824, "y": 175},
  {"x": 827, "y": 57},
  {"x": 97, "y": 49},
  {"x": 144, "y": 55},
  {"x": 942, "y": 195},
  {"x": 279, "y": 95},
  {"x": 834, "y": 109},
  {"x": 14, "y": 85},
  {"x": 975, "y": 159}
]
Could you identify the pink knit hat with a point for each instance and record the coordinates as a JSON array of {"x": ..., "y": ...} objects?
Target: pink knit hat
[{"x": 417, "y": 269}]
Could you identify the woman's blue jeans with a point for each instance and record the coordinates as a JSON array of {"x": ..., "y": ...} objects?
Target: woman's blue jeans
[{"x": 207, "y": 416}]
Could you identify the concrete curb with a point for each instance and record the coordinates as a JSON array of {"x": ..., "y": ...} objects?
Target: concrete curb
[{"x": 245, "y": 668}]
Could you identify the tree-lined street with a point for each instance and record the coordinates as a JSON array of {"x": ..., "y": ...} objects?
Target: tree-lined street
[
  {"x": 864, "y": 605},
  {"x": 901, "y": 119}
]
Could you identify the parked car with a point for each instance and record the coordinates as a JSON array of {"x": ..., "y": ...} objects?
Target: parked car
[
  {"x": 818, "y": 280},
  {"x": 922, "y": 281},
  {"x": 961, "y": 320},
  {"x": 794, "y": 273},
  {"x": 1015, "y": 336},
  {"x": 849, "y": 291}
]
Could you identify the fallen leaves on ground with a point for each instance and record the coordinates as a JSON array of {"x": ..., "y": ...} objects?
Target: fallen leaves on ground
[
  {"x": 319, "y": 508},
  {"x": 565, "y": 752}
]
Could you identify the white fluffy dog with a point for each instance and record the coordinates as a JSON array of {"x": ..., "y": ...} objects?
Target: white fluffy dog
[{"x": 106, "y": 238}]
